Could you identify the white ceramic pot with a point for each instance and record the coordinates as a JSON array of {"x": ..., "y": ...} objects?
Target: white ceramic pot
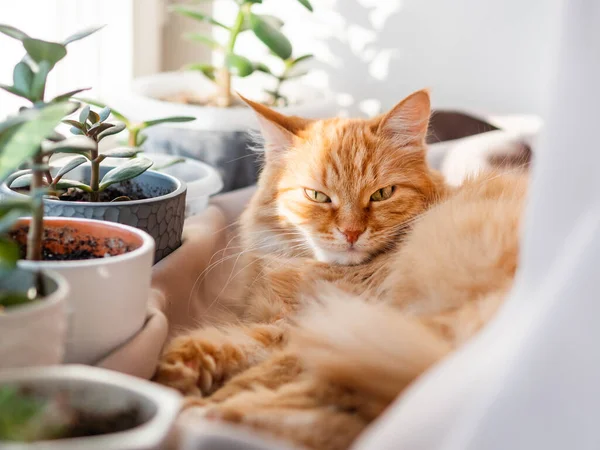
[
  {"x": 218, "y": 136},
  {"x": 34, "y": 334},
  {"x": 99, "y": 390},
  {"x": 108, "y": 296}
]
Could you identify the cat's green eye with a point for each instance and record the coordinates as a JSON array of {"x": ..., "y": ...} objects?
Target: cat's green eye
[
  {"x": 382, "y": 194},
  {"x": 316, "y": 196}
]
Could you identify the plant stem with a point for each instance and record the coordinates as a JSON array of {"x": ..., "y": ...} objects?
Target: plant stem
[
  {"x": 133, "y": 137},
  {"x": 223, "y": 75},
  {"x": 36, "y": 227},
  {"x": 95, "y": 175}
]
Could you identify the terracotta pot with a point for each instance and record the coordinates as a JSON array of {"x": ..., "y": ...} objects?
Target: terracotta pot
[{"x": 108, "y": 295}]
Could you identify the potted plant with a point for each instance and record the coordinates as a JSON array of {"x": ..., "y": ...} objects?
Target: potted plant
[
  {"x": 107, "y": 265},
  {"x": 220, "y": 135},
  {"x": 74, "y": 407},
  {"x": 29, "y": 300},
  {"x": 201, "y": 179},
  {"x": 126, "y": 193}
]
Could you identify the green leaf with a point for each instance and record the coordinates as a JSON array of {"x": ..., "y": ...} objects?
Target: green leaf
[
  {"x": 81, "y": 145},
  {"x": 271, "y": 36},
  {"x": 239, "y": 65},
  {"x": 121, "y": 152},
  {"x": 66, "y": 184},
  {"x": 22, "y": 182},
  {"x": 116, "y": 128},
  {"x": 8, "y": 205},
  {"x": 306, "y": 4},
  {"x": 261, "y": 67},
  {"x": 141, "y": 139},
  {"x": 40, "y": 51},
  {"x": 9, "y": 255},
  {"x": 82, "y": 34},
  {"x": 197, "y": 15},
  {"x": 28, "y": 137},
  {"x": 39, "y": 81},
  {"x": 75, "y": 124},
  {"x": 104, "y": 113},
  {"x": 127, "y": 171},
  {"x": 72, "y": 164},
  {"x": 169, "y": 164},
  {"x": 274, "y": 21},
  {"x": 84, "y": 114},
  {"x": 94, "y": 117},
  {"x": 172, "y": 119},
  {"x": 13, "y": 121},
  {"x": 98, "y": 128},
  {"x": 206, "y": 40},
  {"x": 207, "y": 69},
  {"x": 296, "y": 75},
  {"x": 13, "y": 32},
  {"x": 22, "y": 77},
  {"x": 14, "y": 91},
  {"x": 299, "y": 59},
  {"x": 68, "y": 95},
  {"x": 116, "y": 114}
]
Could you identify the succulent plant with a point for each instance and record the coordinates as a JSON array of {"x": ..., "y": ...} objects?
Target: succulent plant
[{"x": 266, "y": 28}]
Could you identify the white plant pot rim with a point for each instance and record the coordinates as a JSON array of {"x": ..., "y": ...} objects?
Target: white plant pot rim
[
  {"x": 35, "y": 307},
  {"x": 167, "y": 402},
  {"x": 140, "y": 103},
  {"x": 147, "y": 246}
]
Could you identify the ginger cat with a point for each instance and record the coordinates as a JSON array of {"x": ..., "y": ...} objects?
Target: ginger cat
[{"x": 361, "y": 270}]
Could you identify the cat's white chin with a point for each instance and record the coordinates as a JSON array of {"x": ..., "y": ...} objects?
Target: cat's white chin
[{"x": 349, "y": 257}]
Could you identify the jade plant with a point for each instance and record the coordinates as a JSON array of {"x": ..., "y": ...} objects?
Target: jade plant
[
  {"x": 267, "y": 29},
  {"x": 29, "y": 82}
]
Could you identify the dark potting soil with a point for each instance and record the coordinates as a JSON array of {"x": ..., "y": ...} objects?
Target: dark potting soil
[
  {"x": 124, "y": 191},
  {"x": 89, "y": 423},
  {"x": 71, "y": 249}
]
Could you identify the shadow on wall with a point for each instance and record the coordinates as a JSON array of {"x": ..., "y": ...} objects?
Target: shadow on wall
[{"x": 482, "y": 56}]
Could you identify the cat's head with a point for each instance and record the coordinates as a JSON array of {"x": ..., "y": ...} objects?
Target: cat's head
[{"x": 342, "y": 189}]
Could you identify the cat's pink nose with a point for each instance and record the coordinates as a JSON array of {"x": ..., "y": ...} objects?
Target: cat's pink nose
[{"x": 352, "y": 235}]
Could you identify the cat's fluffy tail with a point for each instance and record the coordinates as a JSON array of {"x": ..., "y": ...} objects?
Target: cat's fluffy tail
[{"x": 369, "y": 347}]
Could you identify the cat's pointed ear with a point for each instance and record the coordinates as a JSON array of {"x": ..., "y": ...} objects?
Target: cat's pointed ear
[
  {"x": 407, "y": 122},
  {"x": 277, "y": 129}
]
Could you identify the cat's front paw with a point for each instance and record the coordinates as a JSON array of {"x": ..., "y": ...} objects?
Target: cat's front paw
[{"x": 190, "y": 366}]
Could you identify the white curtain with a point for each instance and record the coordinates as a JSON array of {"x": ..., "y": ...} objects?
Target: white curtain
[
  {"x": 531, "y": 379},
  {"x": 129, "y": 45}
]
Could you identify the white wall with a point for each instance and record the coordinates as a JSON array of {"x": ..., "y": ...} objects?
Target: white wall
[{"x": 489, "y": 56}]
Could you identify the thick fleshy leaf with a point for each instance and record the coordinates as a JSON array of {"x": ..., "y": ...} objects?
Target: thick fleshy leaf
[
  {"x": 82, "y": 34},
  {"x": 299, "y": 59},
  {"x": 116, "y": 128},
  {"x": 197, "y": 15},
  {"x": 22, "y": 182},
  {"x": 121, "y": 152},
  {"x": 207, "y": 69},
  {"x": 81, "y": 145},
  {"x": 13, "y": 32},
  {"x": 39, "y": 81},
  {"x": 116, "y": 114},
  {"x": 14, "y": 91},
  {"x": 127, "y": 171},
  {"x": 75, "y": 130},
  {"x": 84, "y": 114},
  {"x": 172, "y": 119},
  {"x": 94, "y": 117},
  {"x": 104, "y": 113},
  {"x": 68, "y": 95},
  {"x": 40, "y": 50},
  {"x": 13, "y": 121},
  {"x": 72, "y": 164},
  {"x": 9, "y": 255},
  {"x": 22, "y": 77},
  {"x": 66, "y": 184},
  {"x": 306, "y": 4},
  {"x": 169, "y": 164},
  {"x": 239, "y": 65},
  {"x": 75, "y": 124},
  {"x": 274, "y": 21},
  {"x": 8, "y": 205},
  {"x": 203, "y": 39},
  {"x": 98, "y": 128},
  {"x": 271, "y": 36},
  {"x": 261, "y": 67},
  {"x": 28, "y": 137}
]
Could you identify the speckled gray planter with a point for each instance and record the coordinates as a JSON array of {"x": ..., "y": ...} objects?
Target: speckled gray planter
[
  {"x": 161, "y": 216},
  {"x": 228, "y": 151}
]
